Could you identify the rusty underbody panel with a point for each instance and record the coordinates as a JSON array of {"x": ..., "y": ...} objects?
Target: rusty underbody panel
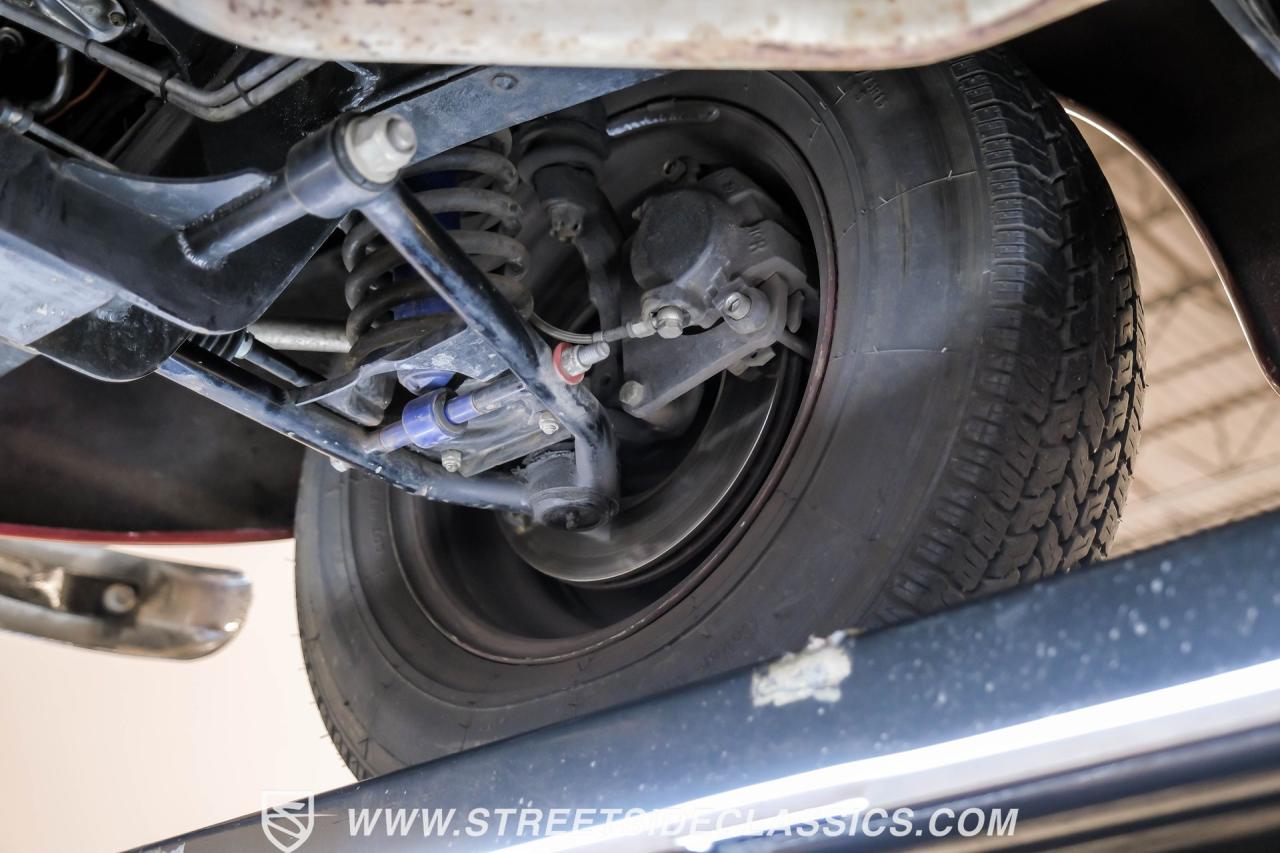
[{"x": 812, "y": 34}]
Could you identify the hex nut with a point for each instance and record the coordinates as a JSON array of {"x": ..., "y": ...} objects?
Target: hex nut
[
  {"x": 737, "y": 306},
  {"x": 631, "y": 394},
  {"x": 451, "y": 461},
  {"x": 119, "y": 598},
  {"x": 379, "y": 146},
  {"x": 669, "y": 321},
  {"x": 548, "y": 423}
]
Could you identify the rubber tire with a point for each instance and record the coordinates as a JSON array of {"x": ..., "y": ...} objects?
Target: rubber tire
[{"x": 975, "y": 428}]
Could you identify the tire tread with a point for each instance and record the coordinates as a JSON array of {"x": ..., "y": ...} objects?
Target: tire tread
[{"x": 1038, "y": 476}]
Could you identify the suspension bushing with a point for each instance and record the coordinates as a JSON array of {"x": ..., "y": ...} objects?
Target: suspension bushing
[{"x": 554, "y": 499}]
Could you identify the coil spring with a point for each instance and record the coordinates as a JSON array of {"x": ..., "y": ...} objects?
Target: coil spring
[{"x": 390, "y": 304}]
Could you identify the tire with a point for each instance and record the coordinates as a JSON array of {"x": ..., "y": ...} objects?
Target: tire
[{"x": 975, "y": 427}]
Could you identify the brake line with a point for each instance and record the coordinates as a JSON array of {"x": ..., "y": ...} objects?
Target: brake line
[{"x": 250, "y": 89}]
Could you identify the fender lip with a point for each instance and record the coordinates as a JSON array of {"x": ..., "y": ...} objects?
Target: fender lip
[
  {"x": 1249, "y": 323},
  {"x": 146, "y": 537},
  {"x": 811, "y": 34}
]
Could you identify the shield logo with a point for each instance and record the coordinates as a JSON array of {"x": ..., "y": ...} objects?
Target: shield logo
[{"x": 287, "y": 818}]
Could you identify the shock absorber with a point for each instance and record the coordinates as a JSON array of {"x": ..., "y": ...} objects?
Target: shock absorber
[
  {"x": 562, "y": 157},
  {"x": 470, "y": 190}
]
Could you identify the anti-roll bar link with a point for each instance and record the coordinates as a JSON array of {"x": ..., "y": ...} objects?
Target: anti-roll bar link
[{"x": 433, "y": 254}]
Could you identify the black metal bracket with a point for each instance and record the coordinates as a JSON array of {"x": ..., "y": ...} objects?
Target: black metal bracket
[
  {"x": 427, "y": 247},
  {"x": 117, "y": 234}
]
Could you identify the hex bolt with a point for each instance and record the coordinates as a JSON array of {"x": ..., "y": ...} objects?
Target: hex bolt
[
  {"x": 119, "y": 598},
  {"x": 379, "y": 146},
  {"x": 631, "y": 394},
  {"x": 548, "y": 423},
  {"x": 451, "y": 461},
  {"x": 669, "y": 321},
  {"x": 504, "y": 81},
  {"x": 117, "y": 18},
  {"x": 737, "y": 306},
  {"x": 592, "y": 353},
  {"x": 566, "y": 220}
]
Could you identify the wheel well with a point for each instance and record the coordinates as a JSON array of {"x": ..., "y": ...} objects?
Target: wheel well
[{"x": 1213, "y": 134}]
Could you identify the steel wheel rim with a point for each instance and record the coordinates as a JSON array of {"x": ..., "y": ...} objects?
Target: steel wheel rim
[{"x": 478, "y": 633}]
